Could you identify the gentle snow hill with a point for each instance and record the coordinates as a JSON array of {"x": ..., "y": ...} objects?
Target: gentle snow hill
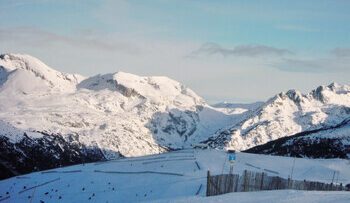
[
  {"x": 286, "y": 114},
  {"x": 170, "y": 177}
]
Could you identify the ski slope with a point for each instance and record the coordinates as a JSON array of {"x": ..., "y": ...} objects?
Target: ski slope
[
  {"x": 168, "y": 177},
  {"x": 285, "y": 196}
]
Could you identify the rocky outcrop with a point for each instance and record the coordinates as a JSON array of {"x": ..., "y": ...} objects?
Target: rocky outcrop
[{"x": 49, "y": 151}]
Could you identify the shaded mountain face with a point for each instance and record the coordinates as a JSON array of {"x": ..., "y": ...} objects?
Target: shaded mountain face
[
  {"x": 327, "y": 142},
  {"x": 44, "y": 151}
]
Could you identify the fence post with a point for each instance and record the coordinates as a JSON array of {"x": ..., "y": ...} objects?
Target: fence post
[
  {"x": 245, "y": 181},
  {"x": 208, "y": 183},
  {"x": 288, "y": 186},
  {"x": 262, "y": 181},
  {"x": 236, "y": 184}
]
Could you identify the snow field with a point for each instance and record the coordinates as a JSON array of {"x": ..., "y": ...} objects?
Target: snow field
[{"x": 136, "y": 183}]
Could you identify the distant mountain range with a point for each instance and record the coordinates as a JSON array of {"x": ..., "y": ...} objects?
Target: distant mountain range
[{"x": 50, "y": 119}]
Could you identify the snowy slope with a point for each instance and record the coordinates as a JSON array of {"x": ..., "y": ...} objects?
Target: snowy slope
[
  {"x": 166, "y": 177},
  {"x": 286, "y": 114},
  {"x": 282, "y": 196}
]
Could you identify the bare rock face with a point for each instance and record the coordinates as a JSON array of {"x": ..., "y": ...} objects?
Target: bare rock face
[{"x": 49, "y": 151}]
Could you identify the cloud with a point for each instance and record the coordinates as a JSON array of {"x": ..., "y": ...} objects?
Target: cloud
[
  {"x": 341, "y": 52},
  {"x": 19, "y": 3},
  {"x": 297, "y": 28},
  {"x": 211, "y": 48},
  {"x": 321, "y": 65},
  {"x": 35, "y": 37}
]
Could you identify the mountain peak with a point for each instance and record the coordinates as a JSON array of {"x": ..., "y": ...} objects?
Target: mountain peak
[
  {"x": 326, "y": 93},
  {"x": 295, "y": 95},
  {"x": 333, "y": 85},
  {"x": 156, "y": 89},
  {"x": 21, "y": 67}
]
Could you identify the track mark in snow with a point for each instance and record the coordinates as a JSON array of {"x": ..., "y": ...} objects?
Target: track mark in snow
[
  {"x": 44, "y": 172},
  {"x": 150, "y": 162},
  {"x": 248, "y": 164},
  {"x": 181, "y": 157},
  {"x": 5, "y": 198},
  {"x": 22, "y": 177},
  {"x": 182, "y": 152},
  {"x": 39, "y": 185},
  {"x": 140, "y": 172},
  {"x": 199, "y": 168},
  {"x": 120, "y": 160},
  {"x": 74, "y": 171},
  {"x": 199, "y": 189},
  {"x": 271, "y": 171}
]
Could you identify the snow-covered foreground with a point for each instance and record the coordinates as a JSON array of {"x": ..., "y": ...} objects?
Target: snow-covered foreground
[
  {"x": 169, "y": 177},
  {"x": 290, "y": 196}
]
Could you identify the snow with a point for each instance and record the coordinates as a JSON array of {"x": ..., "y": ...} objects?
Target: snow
[
  {"x": 80, "y": 182},
  {"x": 270, "y": 197},
  {"x": 10, "y": 132}
]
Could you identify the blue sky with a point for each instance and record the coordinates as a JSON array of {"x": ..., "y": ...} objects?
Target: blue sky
[{"x": 239, "y": 51}]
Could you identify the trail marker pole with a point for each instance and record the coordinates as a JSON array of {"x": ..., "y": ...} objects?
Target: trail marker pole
[
  {"x": 336, "y": 180},
  {"x": 291, "y": 174},
  {"x": 333, "y": 176},
  {"x": 208, "y": 183},
  {"x": 231, "y": 159}
]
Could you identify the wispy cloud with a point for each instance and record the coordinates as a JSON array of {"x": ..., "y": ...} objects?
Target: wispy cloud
[
  {"x": 18, "y": 3},
  {"x": 297, "y": 28},
  {"x": 34, "y": 36},
  {"x": 341, "y": 52},
  {"x": 318, "y": 65},
  {"x": 211, "y": 48}
]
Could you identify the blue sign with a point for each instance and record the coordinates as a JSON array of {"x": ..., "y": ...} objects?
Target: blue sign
[{"x": 232, "y": 157}]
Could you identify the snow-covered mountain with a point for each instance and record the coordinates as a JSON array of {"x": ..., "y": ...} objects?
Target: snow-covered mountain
[
  {"x": 49, "y": 115},
  {"x": 121, "y": 114},
  {"x": 233, "y": 108},
  {"x": 326, "y": 142},
  {"x": 287, "y": 114}
]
